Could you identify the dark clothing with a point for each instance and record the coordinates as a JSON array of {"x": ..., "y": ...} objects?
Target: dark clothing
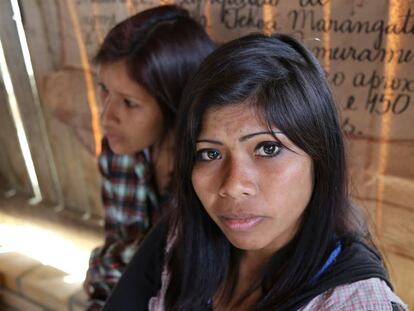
[
  {"x": 142, "y": 279},
  {"x": 356, "y": 262}
]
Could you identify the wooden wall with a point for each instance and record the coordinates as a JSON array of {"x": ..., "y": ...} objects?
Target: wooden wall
[
  {"x": 13, "y": 174},
  {"x": 68, "y": 174},
  {"x": 366, "y": 47}
]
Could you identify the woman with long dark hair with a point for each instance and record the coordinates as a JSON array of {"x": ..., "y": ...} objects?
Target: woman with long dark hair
[
  {"x": 263, "y": 220},
  {"x": 144, "y": 63}
]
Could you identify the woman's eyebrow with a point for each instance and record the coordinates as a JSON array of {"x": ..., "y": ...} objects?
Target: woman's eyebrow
[
  {"x": 216, "y": 142},
  {"x": 248, "y": 136},
  {"x": 130, "y": 96}
]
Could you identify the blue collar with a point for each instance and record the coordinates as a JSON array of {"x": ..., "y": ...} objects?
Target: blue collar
[{"x": 334, "y": 254}]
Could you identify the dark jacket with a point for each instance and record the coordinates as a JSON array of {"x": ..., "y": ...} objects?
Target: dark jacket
[{"x": 142, "y": 279}]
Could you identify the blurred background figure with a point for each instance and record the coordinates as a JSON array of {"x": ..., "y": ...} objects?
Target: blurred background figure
[{"x": 144, "y": 64}]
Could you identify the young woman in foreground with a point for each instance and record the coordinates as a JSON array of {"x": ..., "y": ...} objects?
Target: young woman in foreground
[{"x": 264, "y": 219}]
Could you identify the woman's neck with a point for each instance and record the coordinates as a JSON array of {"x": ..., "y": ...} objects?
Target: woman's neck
[
  {"x": 254, "y": 261},
  {"x": 250, "y": 272}
]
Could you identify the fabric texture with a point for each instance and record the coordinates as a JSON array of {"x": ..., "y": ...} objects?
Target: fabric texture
[
  {"x": 357, "y": 261},
  {"x": 355, "y": 280},
  {"x": 371, "y": 294},
  {"x": 131, "y": 207},
  {"x": 339, "y": 285}
]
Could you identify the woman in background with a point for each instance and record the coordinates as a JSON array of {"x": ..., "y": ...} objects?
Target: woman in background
[
  {"x": 144, "y": 64},
  {"x": 263, "y": 219}
]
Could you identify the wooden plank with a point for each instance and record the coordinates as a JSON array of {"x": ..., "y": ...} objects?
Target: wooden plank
[
  {"x": 23, "y": 93},
  {"x": 63, "y": 93},
  {"x": 396, "y": 232},
  {"x": 13, "y": 174},
  {"x": 397, "y": 179}
]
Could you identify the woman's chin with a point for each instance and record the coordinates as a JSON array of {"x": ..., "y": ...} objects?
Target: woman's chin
[
  {"x": 116, "y": 149},
  {"x": 246, "y": 244},
  {"x": 119, "y": 149}
]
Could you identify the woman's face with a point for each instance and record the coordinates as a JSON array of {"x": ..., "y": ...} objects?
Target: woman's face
[
  {"x": 253, "y": 186},
  {"x": 131, "y": 118}
]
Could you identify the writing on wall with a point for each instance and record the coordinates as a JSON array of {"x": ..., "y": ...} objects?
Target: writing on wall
[{"x": 365, "y": 51}]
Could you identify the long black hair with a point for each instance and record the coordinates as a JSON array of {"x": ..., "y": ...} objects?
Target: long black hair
[
  {"x": 288, "y": 87},
  {"x": 162, "y": 47}
]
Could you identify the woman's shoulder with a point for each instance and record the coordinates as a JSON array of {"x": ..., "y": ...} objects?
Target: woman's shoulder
[
  {"x": 369, "y": 294},
  {"x": 142, "y": 278}
]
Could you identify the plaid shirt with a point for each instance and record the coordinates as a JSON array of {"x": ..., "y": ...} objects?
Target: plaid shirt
[
  {"x": 366, "y": 295},
  {"x": 131, "y": 207}
]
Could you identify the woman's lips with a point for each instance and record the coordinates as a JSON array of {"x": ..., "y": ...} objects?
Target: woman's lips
[
  {"x": 241, "y": 223},
  {"x": 113, "y": 137}
]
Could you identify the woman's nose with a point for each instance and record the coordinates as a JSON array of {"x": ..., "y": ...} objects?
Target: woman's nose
[
  {"x": 238, "y": 180},
  {"x": 110, "y": 111}
]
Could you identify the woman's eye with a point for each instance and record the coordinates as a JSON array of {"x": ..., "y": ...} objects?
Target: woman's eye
[
  {"x": 208, "y": 155},
  {"x": 130, "y": 103},
  {"x": 268, "y": 149},
  {"x": 102, "y": 89}
]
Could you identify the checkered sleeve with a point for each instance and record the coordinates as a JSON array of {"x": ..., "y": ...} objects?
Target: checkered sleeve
[
  {"x": 129, "y": 202},
  {"x": 366, "y": 295}
]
